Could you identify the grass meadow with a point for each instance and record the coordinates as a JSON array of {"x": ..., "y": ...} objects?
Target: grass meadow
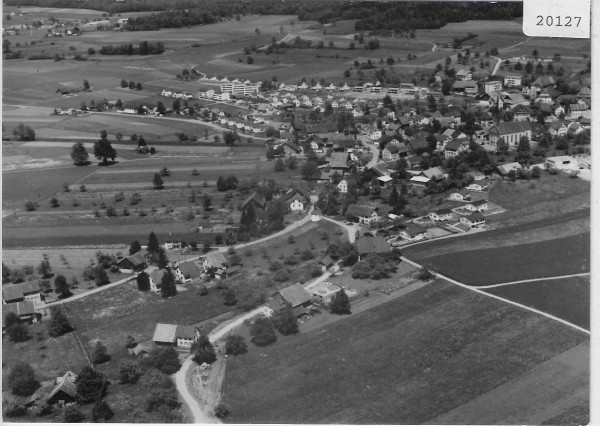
[
  {"x": 404, "y": 362},
  {"x": 567, "y": 298}
]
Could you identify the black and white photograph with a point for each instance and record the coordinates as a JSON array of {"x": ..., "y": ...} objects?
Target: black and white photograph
[{"x": 296, "y": 212}]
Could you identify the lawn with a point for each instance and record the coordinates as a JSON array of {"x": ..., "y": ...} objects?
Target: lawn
[
  {"x": 562, "y": 256},
  {"x": 568, "y": 298},
  {"x": 404, "y": 362}
]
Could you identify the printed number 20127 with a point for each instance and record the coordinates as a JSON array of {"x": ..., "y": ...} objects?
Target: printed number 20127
[{"x": 558, "y": 21}]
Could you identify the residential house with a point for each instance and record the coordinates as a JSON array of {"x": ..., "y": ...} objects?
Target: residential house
[
  {"x": 186, "y": 335},
  {"x": 156, "y": 278},
  {"x": 297, "y": 200},
  {"x": 339, "y": 161},
  {"x": 28, "y": 291},
  {"x": 478, "y": 186},
  {"x": 295, "y": 296},
  {"x": 477, "y": 206},
  {"x": 214, "y": 260},
  {"x": 434, "y": 173},
  {"x": 544, "y": 81},
  {"x": 326, "y": 263},
  {"x": 441, "y": 215},
  {"x": 371, "y": 245},
  {"x": 481, "y": 136},
  {"x": 521, "y": 113},
  {"x": 391, "y": 152},
  {"x": 491, "y": 87},
  {"x": 187, "y": 272},
  {"x": 342, "y": 186},
  {"x": 504, "y": 169},
  {"x": 473, "y": 220},
  {"x": 461, "y": 195},
  {"x": 413, "y": 232},
  {"x": 24, "y": 310},
  {"x": 361, "y": 213},
  {"x": 322, "y": 291},
  {"x": 182, "y": 336},
  {"x": 511, "y": 132},
  {"x": 466, "y": 87},
  {"x": 574, "y": 111},
  {"x": 558, "y": 129},
  {"x": 455, "y": 147},
  {"x": 464, "y": 74}
]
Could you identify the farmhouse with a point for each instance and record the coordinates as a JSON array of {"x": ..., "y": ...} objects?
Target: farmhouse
[
  {"x": 297, "y": 297},
  {"x": 133, "y": 263},
  {"x": 473, "y": 220},
  {"x": 187, "y": 272},
  {"x": 504, "y": 169},
  {"x": 361, "y": 213},
  {"x": 339, "y": 161},
  {"x": 24, "y": 310},
  {"x": 511, "y": 132},
  {"x": 65, "y": 390},
  {"x": 28, "y": 291},
  {"x": 214, "y": 260},
  {"x": 257, "y": 200}
]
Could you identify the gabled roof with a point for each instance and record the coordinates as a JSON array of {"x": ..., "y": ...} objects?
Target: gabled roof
[
  {"x": 66, "y": 385},
  {"x": 157, "y": 275},
  {"x": 295, "y": 295},
  {"x": 136, "y": 259},
  {"x": 165, "y": 333},
  {"x": 12, "y": 292},
  {"x": 505, "y": 168},
  {"x": 185, "y": 332},
  {"x": 475, "y": 217},
  {"x": 339, "y": 160},
  {"x": 418, "y": 144},
  {"x": 368, "y": 245},
  {"x": 465, "y": 84},
  {"x": 434, "y": 173},
  {"x": 189, "y": 269},
  {"x": 355, "y": 210},
  {"x": 20, "y": 309},
  {"x": 543, "y": 81},
  {"x": 412, "y": 229},
  {"x": 257, "y": 198},
  {"x": 454, "y": 144},
  {"x": 509, "y": 127},
  {"x": 215, "y": 258},
  {"x": 443, "y": 211},
  {"x": 32, "y": 286}
]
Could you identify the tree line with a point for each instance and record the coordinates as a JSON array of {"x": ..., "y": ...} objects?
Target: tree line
[{"x": 144, "y": 48}]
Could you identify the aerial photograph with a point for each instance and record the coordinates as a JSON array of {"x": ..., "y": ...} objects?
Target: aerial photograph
[{"x": 294, "y": 212}]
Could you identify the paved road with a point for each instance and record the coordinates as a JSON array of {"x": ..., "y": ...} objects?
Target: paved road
[
  {"x": 351, "y": 229},
  {"x": 374, "y": 151},
  {"x": 478, "y": 290}
]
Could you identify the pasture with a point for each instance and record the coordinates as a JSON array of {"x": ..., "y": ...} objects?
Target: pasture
[
  {"x": 403, "y": 362},
  {"x": 561, "y": 256},
  {"x": 567, "y": 298}
]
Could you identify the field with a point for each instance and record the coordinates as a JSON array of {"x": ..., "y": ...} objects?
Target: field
[
  {"x": 567, "y": 298},
  {"x": 562, "y": 256},
  {"x": 395, "y": 371}
]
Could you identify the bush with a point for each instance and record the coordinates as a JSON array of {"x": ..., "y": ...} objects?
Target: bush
[
  {"x": 160, "y": 398},
  {"x": 340, "y": 303},
  {"x": 221, "y": 411},
  {"x": 262, "y": 332},
  {"x": 204, "y": 351},
  {"x": 13, "y": 409},
  {"x": 281, "y": 276},
  {"x": 229, "y": 297},
  {"x": 235, "y": 345},
  {"x": 91, "y": 385},
  {"x": 21, "y": 379},
  {"x": 425, "y": 274},
  {"x": 153, "y": 378},
  {"x": 59, "y": 323},
  {"x": 128, "y": 371},
  {"x": 165, "y": 360},
  {"x": 102, "y": 411},
  {"x": 203, "y": 291},
  {"x": 18, "y": 332},
  {"x": 285, "y": 321},
  {"x": 72, "y": 415}
]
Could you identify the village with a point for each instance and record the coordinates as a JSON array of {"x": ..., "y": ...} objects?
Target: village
[{"x": 246, "y": 219}]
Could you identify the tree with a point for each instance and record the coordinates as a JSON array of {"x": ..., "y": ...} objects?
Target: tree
[
  {"x": 100, "y": 354},
  {"x": 157, "y": 181},
  {"x": 206, "y": 202},
  {"x": 124, "y": 84},
  {"x": 91, "y": 385},
  {"x": 86, "y": 85},
  {"x": 285, "y": 321},
  {"x": 102, "y": 411},
  {"x": 61, "y": 286},
  {"x": 235, "y": 345},
  {"x": 79, "y": 155},
  {"x": 134, "y": 247},
  {"x": 162, "y": 259},
  {"x": 17, "y": 332},
  {"x": 143, "y": 281},
  {"x": 229, "y": 138},
  {"x": 128, "y": 371},
  {"x": 310, "y": 169},
  {"x": 139, "y": 86},
  {"x": 279, "y": 166},
  {"x": 262, "y": 332},
  {"x": 103, "y": 149},
  {"x": 340, "y": 303},
  {"x": 24, "y": 132},
  {"x": 229, "y": 297},
  {"x": 167, "y": 284},
  {"x": 59, "y": 323},
  {"x": 21, "y": 379},
  {"x": 153, "y": 244},
  {"x": 203, "y": 351},
  {"x": 44, "y": 268},
  {"x": 72, "y": 415},
  {"x": 165, "y": 360},
  {"x": 501, "y": 146}
]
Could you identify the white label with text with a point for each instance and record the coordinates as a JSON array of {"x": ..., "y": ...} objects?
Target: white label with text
[{"x": 557, "y": 18}]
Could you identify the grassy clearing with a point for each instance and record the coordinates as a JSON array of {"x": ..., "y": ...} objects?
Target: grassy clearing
[
  {"x": 562, "y": 256},
  {"x": 407, "y": 361},
  {"x": 568, "y": 298}
]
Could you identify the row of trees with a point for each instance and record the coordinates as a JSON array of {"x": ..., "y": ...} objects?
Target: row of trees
[{"x": 144, "y": 48}]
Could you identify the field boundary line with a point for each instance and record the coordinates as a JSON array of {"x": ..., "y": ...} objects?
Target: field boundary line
[
  {"x": 78, "y": 339},
  {"x": 477, "y": 290},
  {"x": 583, "y": 274}
]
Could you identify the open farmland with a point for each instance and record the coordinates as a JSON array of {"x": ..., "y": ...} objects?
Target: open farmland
[
  {"x": 562, "y": 256},
  {"x": 393, "y": 371},
  {"x": 567, "y": 298}
]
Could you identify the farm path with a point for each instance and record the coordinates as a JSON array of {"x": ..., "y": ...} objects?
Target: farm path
[
  {"x": 374, "y": 152},
  {"x": 477, "y": 290},
  {"x": 199, "y": 411},
  {"x": 533, "y": 280},
  {"x": 88, "y": 293},
  {"x": 350, "y": 228}
]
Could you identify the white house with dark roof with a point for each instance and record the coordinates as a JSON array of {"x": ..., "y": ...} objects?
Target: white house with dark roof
[
  {"x": 461, "y": 195},
  {"x": 362, "y": 213},
  {"x": 473, "y": 220},
  {"x": 477, "y": 206},
  {"x": 413, "y": 232},
  {"x": 441, "y": 215}
]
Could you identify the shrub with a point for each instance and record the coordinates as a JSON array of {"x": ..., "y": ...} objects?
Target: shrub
[
  {"x": 165, "y": 360},
  {"x": 21, "y": 379},
  {"x": 229, "y": 297},
  {"x": 204, "y": 351},
  {"x": 130, "y": 342},
  {"x": 235, "y": 345},
  {"x": 100, "y": 355},
  {"x": 72, "y": 415},
  {"x": 91, "y": 385},
  {"x": 340, "y": 303},
  {"x": 102, "y": 411},
  {"x": 262, "y": 332},
  {"x": 153, "y": 378},
  {"x": 221, "y": 411},
  {"x": 59, "y": 323},
  {"x": 285, "y": 321},
  {"x": 281, "y": 276},
  {"x": 13, "y": 409}
]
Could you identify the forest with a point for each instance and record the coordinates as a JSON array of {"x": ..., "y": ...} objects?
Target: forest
[{"x": 382, "y": 18}]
